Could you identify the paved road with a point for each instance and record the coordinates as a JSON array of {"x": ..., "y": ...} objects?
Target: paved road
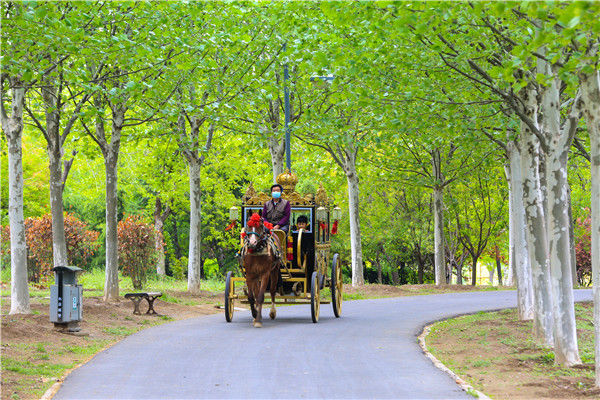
[{"x": 371, "y": 352}]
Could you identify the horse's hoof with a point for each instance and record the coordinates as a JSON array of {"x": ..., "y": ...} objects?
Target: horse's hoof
[
  {"x": 258, "y": 324},
  {"x": 273, "y": 314}
]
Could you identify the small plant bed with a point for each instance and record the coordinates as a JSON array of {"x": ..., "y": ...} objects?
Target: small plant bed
[
  {"x": 34, "y": 355},
  {"x": 494, "y": 352}
]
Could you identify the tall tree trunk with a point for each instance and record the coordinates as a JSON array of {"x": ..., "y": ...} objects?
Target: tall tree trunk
[
  {"x": 459, "y": 273},
  {"x": 59, "y": 241},
  {"x": 474, "y": 269},
  {"x": 572, "y": 238},
  {"x": 355, "y": 240},
  {"x": 111, "y": 157},
  {"x": 438, "y": 228},
  {"x": 175, "y": 238},
  {"x": 394, "y": 271},
  {"x": 519, "y": 254},
  {"x": 420, "y": 263},
  {"x": 557, "y": 153},
  {"x": 194, "y": 257},
  {"x": 55, "y": 155},
  {"x": 498, "y": 266},
  {"x": 159, "y": 244},
  {"x": 379, "y": 269},
  {"x": 277, "y": 150},
  {"x": 512, "y": 261},
  {"x": 13, "y": 129},
  {"x": 590, "y": 90},
  {"x": 537, "y": 239},
  {"x": 590, "y": 96},
  {"x": 402, "y": 272},
  {"x": 438, "y": 219}
]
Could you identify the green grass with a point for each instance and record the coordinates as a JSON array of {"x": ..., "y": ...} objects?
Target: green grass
[
  {"x": 481, "y": 363},
  {"x": 477, "y": 333},
  {"x": 89, "y": 349},
  {"x": 93, "y": 285},
  {"x": 29, "y": 368},
  {"x": 170, "y": 299},
  {"x": 120, "y": 330}
]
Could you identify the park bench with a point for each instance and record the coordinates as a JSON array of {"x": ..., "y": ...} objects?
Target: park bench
[{"x": 136, "y": 298}]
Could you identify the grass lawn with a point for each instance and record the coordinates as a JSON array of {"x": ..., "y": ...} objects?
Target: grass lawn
[{"x": 495, "y": 354}]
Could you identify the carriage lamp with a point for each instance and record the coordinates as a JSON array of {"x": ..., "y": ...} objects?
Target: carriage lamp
[
  {"x": 336, "y": 213},
  {"x": 321, "y": 214},
  {"x": 234, "y": 213}
]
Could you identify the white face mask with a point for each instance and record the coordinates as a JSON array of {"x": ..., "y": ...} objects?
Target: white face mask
[{"x": 276, "y": 195}]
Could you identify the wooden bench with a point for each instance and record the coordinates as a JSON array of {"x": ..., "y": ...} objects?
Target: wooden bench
[{"x": 136, "y": 298}]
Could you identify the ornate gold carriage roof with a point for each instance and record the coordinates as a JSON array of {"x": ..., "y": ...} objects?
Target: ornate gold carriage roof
[{"x": 288, "y": 181}]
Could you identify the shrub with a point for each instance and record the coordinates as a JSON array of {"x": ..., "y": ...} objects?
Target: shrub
[
  {"x": 178, "y": 267},
  {"x": 136, "y": 249},
  {"x": 5, "y": 246},
  {"x": 583, "y": 249},
  {"x": 81, "y": 244}
]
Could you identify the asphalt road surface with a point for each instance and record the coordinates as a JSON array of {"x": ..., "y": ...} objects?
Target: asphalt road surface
[{"x": 371, "y": 352}]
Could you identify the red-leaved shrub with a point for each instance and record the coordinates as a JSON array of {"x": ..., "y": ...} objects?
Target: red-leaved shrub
[
  {"x": 136, "y": 249},
  {"x": 583, "y": 250},
  {"x": 81, "y": 244}
]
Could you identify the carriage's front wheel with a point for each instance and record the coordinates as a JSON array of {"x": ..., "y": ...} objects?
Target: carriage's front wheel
[
  {"x": 315, "y": 297},
  {"x": 336, "y": 285},
  {"x": 229, "y": 292}
]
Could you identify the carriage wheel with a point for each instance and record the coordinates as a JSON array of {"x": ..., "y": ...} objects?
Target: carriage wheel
[
  {"x": 336, "y": 285},
  {"x": 315, "y": 297},
  {"x": 229, "y": 291}
]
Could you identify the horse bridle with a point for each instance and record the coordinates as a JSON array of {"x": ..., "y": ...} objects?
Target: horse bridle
[{"x": 262, "y": 240}]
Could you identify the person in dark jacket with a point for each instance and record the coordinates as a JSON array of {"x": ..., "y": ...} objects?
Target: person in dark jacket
[{"x": 277, "y": 210}]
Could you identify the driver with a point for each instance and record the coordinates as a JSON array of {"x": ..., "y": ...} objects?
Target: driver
[{"x": 277, "y": 210}]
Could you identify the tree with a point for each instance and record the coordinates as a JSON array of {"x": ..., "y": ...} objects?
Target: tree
[
  {"x": 56, "y": 93},
  {"x": 12, "y": 127},
  {"x": 130, "y": 82}
]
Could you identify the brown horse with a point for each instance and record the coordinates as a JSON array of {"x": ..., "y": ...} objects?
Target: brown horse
[{"x": 261, "y": 265}]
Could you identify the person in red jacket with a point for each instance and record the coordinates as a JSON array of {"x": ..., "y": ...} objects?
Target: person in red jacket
[{"x": 277, "y": 210}]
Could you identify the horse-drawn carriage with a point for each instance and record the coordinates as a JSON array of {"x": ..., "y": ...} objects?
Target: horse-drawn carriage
[{"x": 305, "y": 259}]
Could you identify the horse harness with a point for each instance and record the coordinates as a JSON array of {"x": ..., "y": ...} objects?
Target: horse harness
[{"x": 266, "y": 246}]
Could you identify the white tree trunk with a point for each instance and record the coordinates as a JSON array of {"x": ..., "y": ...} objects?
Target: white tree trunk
[
  {"x": 590, "y": 94},
  {"x": 439, "y": 253},
  {"x": 572, "y": 239},
  {"x": 519, "y": 261},
  {"x": 557, "y": 153},
  {"x": 565, "y": 330},
  {"x": 194, "y": 260},
  {"x": 111, "y": 156},
  {"x": 277, "y": 150},
  {"x": 353, "y": 205},
  {"x": 509, "y": 277},
  {"x": 537, "y": 242},
  {"x": 13, "y": 129},
  {"x": 438, "y": 235}
]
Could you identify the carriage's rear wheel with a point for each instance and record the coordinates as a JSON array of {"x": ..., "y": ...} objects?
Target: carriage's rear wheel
[
  {"x": 229, "y": 292},
  {"x": 315, "y": 297},
  {"x": 336, "y": 285}
]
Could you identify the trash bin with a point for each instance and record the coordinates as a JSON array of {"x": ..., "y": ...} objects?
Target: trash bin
[{"x": 65, "y": 299}]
